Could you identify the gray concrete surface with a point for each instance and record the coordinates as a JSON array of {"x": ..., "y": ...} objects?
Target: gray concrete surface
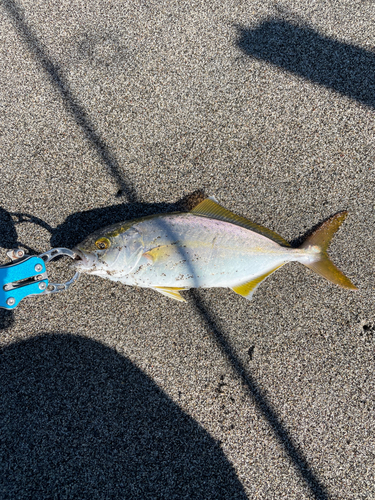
[{"x": 112, "y": 109}]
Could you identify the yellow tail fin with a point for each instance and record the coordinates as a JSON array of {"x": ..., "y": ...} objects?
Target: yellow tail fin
[{"x": 321, "y": 238}]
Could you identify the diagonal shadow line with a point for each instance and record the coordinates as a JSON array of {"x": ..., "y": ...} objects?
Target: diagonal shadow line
[
  {"x": 75, "y": 110},
  {"x": 260, "y": 400},
  {"x": 345, "y": 68},
  {"x": 300, "y": 463}
]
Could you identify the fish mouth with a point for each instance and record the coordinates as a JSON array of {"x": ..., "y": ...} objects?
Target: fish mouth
[{"x": 82, "y": 261}]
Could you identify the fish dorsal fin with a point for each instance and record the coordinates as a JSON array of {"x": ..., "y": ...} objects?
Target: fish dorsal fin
[
  {"x": 211, "y": 208},
  {"x": 173, "y": 292},
  {"x": 247, "y": 289}
]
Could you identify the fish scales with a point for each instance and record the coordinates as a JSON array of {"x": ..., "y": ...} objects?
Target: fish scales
[
  {"x": 195, "y": 251},
  {"x": 207, "y": 247}
]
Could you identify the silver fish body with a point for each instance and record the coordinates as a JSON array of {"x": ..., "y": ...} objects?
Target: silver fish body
[{"x": 207, "y": 247}]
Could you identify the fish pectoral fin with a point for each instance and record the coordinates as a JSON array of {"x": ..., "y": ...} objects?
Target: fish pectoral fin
[
  {"x": 172, "y": 292},
  {"x": 211, "y": 208},
  {"x": 248, "y": 288},
  {"x": 158, "y": 254},
  {"x": 149, "y": 256}
]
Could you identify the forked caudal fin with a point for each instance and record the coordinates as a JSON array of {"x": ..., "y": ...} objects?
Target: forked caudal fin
[
  {"x": 318, "y": 242},
  {"x": 320, "y": 239}
]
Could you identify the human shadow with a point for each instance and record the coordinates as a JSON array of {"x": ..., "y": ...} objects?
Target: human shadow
[
  {"x": 78, "y": 420},
  {"x": 297, "y": 48}
]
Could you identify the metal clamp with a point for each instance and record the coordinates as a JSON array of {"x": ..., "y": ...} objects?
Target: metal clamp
[
  {"x": 27, "y": 276},
  {"x": 52, "y": 254}
]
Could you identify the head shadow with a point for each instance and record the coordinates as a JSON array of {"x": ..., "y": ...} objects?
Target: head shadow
[
  {"x": 299, "y": 49},
  {"x": 79, "y": 225},
  {"x": 79, "y": 420}
]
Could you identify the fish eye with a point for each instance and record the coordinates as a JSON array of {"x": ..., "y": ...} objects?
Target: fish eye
[{"x": 102, "y": 243}]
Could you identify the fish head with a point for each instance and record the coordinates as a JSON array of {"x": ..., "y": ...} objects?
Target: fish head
[{"x": 112, "y": 251}]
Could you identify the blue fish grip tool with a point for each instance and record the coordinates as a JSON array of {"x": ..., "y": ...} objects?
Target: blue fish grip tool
[{"x": 27, "y": 276}]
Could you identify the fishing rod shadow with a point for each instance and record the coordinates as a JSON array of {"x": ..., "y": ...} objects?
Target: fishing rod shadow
[
  {"x": 317, "y": 489},
  {"x": 57, "y": 79},
  {"x": 294, "y": 46}
]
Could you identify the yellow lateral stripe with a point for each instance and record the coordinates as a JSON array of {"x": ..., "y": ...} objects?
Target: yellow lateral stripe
[
  {"x": 246, "y": 288},
  {"x": 209, "y": 208}
]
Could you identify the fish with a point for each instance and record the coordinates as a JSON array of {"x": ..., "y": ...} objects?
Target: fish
[{"x": 205, "y": 248}]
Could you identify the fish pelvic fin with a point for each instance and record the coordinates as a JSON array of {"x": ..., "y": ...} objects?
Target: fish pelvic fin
[
  {"x": 248, "y": 288},
  {"x": 170, "y": 291},
  {"x": 211, "y": 208},
  {"x": 320, "y": 239}
]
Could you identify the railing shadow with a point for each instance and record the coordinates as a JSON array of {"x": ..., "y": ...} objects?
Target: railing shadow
[
  {"x": 345, "y": 68},
  {"x": 78, "y": 420}
]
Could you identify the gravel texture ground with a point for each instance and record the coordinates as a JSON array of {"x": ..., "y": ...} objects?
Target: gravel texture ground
[{"x": 115, "y": 109}]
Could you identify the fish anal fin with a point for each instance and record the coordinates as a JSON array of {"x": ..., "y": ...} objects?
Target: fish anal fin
[
  {"x": 173, "y": 292},
  {"x": 211, "y": 208},
  {"x": 248, "y": 288}
]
